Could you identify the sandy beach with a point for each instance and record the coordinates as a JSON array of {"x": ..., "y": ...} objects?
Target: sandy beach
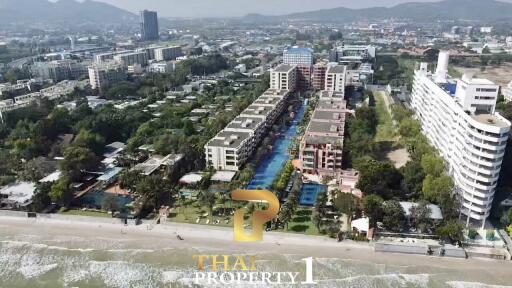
[{"x": 84, "y": 235}]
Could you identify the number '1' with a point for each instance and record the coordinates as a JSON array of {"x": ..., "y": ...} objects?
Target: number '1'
[{"x": 309, "y": 271}]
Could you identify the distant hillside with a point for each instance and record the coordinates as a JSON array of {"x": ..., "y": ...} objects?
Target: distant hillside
[
  {"x": 64, "y": 12},
  {"x": 480, "y": 10}
]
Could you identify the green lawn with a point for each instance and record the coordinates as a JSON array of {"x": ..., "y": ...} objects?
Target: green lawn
[
  {"x": 85, "y": 213},
  {"x": 191, "y": 212},
  {"x": 302, "y": 223},
  {"x": 385, "y": 129}
]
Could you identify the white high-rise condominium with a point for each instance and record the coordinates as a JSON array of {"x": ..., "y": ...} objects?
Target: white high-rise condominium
[{"x": 458, "y": 118}]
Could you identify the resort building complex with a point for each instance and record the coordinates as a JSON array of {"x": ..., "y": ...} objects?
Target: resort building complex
[
  {"x": 321, "y": 147},
  {"x": 458, "y": 117},
  {"x": 234, "y": 145}
]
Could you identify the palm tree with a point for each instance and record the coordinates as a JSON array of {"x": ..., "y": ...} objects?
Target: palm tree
[
  {"x": 286, "y": 214},
  {"x": 208, "y": 199}
]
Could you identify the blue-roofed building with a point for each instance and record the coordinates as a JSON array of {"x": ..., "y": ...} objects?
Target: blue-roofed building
[
  {"x": 298, "y": 56},
  {"x": 303, "y": 59}
]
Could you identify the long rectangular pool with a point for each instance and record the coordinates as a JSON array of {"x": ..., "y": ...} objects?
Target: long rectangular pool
[{"x": 273, "y": 162}]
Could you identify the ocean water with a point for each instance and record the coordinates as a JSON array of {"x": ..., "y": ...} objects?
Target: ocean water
[{"x": 26, "y": 262}]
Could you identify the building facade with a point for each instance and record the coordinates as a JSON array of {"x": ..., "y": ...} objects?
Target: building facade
[
  {"x": 102, "y": 76},
  {"x": 149, "y": 25},
  {"x": 318, "y": 77},
  {"x": 231, "y": 148},
  {"x": 59, "y": 70},
  {"x": 321, "y": 148},
  {"x": 298, "y": 56},
  {"x": 352, "y": 53},
  {"x": 303, "y": 59},
  {"x": 284, "y": 77},
  {"x": 335, "y": 77},
  {"x": 458, "y": 118},
  {"x": 167, "y": 53},
  {"x": 132, "y": 58}
]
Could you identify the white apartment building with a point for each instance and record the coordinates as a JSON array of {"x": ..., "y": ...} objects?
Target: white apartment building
[
  {"x": 353, "y": 53},
  {"x": 335, "y": 78},
  {"x": 101, "y": 76},
  {"x": 167, "y": 53},
  {"x": 132, "y": 58},
  {"x": 284, "y": 77},
  {"x": 458, "y": 118},
  {"x": 107, "y": 56},
  {"x": 231, "y": 148},
  {"x": 161, "y": 67}
]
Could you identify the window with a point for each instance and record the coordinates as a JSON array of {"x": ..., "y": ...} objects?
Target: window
[
  {"x": 484, "y": 98},
  {"x": 485, "y": 89}
]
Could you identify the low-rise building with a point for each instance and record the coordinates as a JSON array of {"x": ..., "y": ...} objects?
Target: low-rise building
[{"x": 161, "y": 67}]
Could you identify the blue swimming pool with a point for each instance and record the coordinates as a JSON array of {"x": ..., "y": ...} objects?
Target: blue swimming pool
[
  {"x": 273, "y": 162},
  {"x": 95, "y": 198},
  {"x": 309, "y": 192}
]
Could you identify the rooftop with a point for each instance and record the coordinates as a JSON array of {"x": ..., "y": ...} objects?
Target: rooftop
[
  {"x": 273, "y": 92},
  {"x": 51, "y": 178},
  {"x": 336, "y": 69},
  {"x": 153, "y": 163},
  {"x": 223, "y": 176},
  {"x": 489, "y": 119},
  {"x": 191, "y": 178},
  {"x": 315, "y": 140},
  {"x": 326, "y": 127},
  {"x": 332, "y": 103},
  {"x": 284, "y": 68},
  {"x": 20, "y": 192},
  {"x": 113, "y": 149},
  {"x": 331, "y": 95},
  {"x": 267, "y": 100},
  {"x": 245, "y": 123},
  {"x": 257, "y": 110},
  {"x": 298, "y": 50},
  {"x": 328, "y": 115},
  {"x": 229, "y": 139}
]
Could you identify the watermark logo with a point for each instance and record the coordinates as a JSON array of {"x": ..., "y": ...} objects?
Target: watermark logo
[
  {"x": 259, "y": 217},
  {"x": 241, "y": 269}
]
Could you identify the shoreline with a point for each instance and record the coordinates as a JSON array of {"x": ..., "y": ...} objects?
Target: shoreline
[{"x": 211, "y": 239}]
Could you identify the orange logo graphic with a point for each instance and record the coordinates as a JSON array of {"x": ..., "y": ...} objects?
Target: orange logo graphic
[{"x": 259, "y": 217}]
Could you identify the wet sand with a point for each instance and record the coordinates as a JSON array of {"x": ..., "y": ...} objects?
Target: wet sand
[{"x": 82, "y": 235}]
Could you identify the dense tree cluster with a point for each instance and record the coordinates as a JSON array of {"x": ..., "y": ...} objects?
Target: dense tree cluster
[{"x": 422, "y": 179}]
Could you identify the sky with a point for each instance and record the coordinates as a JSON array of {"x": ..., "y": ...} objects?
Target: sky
[{"x": 233, "y": 8}]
